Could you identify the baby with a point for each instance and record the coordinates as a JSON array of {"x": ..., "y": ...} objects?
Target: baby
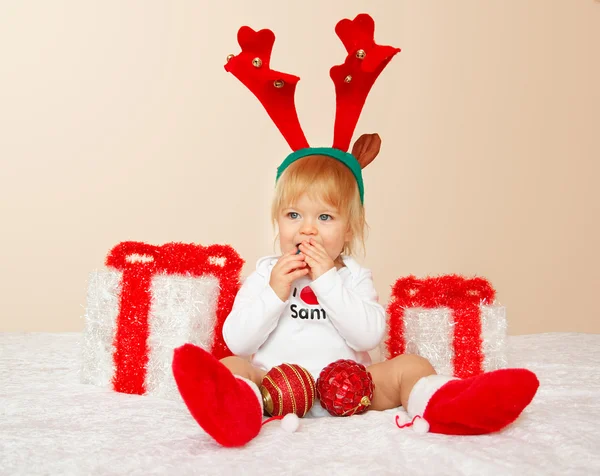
[{"x": 315, "y": 304}]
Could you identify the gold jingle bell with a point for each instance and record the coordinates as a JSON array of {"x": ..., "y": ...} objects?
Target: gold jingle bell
[
  {"x": 360, "y": 54},
  {"x": 257, "y": 62},
  {"x": 229, "y": 57},
  {"x": 278, "y": 83},
  {"x": 347, "y": 79}
]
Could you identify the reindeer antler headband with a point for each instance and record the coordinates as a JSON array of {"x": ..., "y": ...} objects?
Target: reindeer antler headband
[{"x": 353, "y": 80}]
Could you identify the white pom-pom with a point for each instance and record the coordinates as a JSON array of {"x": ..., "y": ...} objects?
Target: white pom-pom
[
  {"x": 402, "y": 419},
  {"x": 290, "y": 422},
  {"x": 421, "y": 426}
]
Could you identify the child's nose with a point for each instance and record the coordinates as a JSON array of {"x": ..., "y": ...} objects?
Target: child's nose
[{"x": 308, "y": 229}]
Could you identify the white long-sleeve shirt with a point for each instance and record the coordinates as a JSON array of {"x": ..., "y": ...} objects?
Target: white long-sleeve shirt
[{"x": 345, "y": 323}]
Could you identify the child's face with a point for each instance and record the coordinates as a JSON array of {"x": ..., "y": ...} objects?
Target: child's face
[{"x": 308, "y": 218}]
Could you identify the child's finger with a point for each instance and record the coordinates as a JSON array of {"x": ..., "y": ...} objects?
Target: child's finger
[
  {"x": 289, "y": 258},
  {"x": 311, "y": 261},
  {"x": 286, "y": 257},
  {"x": 297, "y": 274},
  {"x": 307, "y": 250},
  {"x": 316, "y": 245},
  {"x": 292, "y": 265},
  {"x": 315, "y": 255}
]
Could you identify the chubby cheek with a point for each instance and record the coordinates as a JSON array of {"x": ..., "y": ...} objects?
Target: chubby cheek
[
  {"x": 334, "y": 246},
  {"x": 335, "y": 250},
  {"x": 286, "y": 239}
]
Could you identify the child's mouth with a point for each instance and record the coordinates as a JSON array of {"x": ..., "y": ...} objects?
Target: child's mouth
[{"x": 298, "y": 246}]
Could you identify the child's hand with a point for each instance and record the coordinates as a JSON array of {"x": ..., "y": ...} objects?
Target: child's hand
[
  {"x": 317, "y": 258},
  {"x": 287, "y": 269}
]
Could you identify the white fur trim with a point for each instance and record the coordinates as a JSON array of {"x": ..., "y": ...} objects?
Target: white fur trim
[
  {"x": 254, "y": 387},
  {"x": 290, "y": 422},
  {"x": 423, "y": 391},
  {"x": 421, "y": 426}
]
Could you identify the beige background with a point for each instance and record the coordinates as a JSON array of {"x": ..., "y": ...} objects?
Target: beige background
[{"x": 118, "y": 122}]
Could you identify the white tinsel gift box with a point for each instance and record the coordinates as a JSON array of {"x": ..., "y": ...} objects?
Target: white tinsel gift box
[
  {"x": 451, "y": 321},
  {"x": 149, "y": 301}
]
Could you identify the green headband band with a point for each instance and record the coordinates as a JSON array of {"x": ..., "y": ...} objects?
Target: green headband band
[{"x": 344, "y": 157}]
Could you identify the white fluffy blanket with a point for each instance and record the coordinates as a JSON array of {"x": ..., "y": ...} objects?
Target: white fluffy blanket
[{"x": 52, "y": 424}]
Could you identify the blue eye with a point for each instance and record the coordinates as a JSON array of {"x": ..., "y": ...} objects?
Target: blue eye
[
  {"x": 325, "y": 217},
  {"x": 293, "y": 215}
]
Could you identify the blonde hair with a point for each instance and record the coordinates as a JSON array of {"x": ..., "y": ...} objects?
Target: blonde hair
[{"x": 328, "y": 180}]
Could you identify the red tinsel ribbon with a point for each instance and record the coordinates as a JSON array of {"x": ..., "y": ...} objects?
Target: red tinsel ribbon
[
  {"x": 139, "y": 263},
  {"x": 463, "y": 296}
]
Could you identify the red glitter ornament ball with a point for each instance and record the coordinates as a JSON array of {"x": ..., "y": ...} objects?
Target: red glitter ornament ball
[
  {"x": 345, "y": 388},
  {"x": 288, "y": 388}
]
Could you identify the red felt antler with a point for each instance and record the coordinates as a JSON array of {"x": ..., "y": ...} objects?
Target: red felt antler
[
  {"x": 353, "y": 79},
  {"x": 275, "y": 90}
]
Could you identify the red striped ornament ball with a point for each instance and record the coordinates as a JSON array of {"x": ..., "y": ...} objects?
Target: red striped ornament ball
[{"x": 288, "y": 388}]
